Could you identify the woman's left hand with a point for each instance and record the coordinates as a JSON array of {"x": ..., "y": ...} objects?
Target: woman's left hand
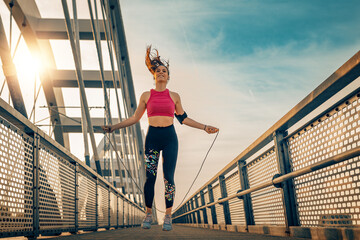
[{"x": 211, "y": 129}]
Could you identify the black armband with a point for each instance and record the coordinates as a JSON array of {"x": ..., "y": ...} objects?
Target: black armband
[{"x": 181, "y": 117}]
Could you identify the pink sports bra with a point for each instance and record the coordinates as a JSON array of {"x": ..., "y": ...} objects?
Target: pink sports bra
[{"x": 160, "y": 104}]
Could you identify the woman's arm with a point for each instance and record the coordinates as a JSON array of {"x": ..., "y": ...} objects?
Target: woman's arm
[
  {"x": 131, "y": 120},
  {"x": 190, "y": 122}
]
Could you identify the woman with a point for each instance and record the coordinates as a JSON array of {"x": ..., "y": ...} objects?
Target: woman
[{"x": 160, "y": 104}]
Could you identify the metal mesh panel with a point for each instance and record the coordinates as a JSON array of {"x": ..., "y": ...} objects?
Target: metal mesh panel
[
  {"x": 138, "y": 216},
  {"x": 208, "y": 210},
  {"x": 103, "y": 206},
  {"x": 267, "y": 203},
  {"x": 87, "y": 201},
  {"x": 130, "y": 214},
  {"x": 236, "y": 205},
  {"x": 218, "y": 208},
  {"x": 113, "y": 209},
  {"x": 57, "y": 192},
  {"x": 330, "y": 196},
  {"x": 121, "y": 211},
  {"x": 126, "y": 213},
  {"x": 16, "y": 196}
]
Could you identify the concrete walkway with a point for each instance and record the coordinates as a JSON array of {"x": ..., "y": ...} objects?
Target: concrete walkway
[{"x": 178, "y": 233}]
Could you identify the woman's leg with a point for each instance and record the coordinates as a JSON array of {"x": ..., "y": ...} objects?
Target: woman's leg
[
  {"x": 170, "y": 153},
  {"x": 151, "y": 162}
]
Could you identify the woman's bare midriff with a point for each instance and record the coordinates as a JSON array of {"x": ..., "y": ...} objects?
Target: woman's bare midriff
[{"x": 160, "y": 121}]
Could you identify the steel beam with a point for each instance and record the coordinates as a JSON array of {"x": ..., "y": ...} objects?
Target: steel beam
[
  {"x": 10, "y": 73},
  {"x": 81, "y": 85},
  {"x": 67, "y": 79},
  {"x": 49, "y": 28},
  {"x": 25, "y": 14}
]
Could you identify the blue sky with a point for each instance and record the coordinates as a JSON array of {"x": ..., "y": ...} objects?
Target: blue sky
[{"x": 238, "y": 65}]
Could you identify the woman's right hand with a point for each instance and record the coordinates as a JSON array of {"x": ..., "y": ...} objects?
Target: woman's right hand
[{"x": 108, "y": 128}]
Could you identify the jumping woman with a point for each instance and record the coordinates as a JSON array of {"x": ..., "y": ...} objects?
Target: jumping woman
[{"x": 160, "y": 104}]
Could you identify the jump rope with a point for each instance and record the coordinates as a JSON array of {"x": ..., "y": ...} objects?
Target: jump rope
[{"x": 129, "y": 174}]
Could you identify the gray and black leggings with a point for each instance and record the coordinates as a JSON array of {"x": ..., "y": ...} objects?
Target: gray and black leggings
[{"x": 160, "y": 139}]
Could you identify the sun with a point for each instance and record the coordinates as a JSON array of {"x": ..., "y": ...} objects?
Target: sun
[{"x": 26, "y": 64}]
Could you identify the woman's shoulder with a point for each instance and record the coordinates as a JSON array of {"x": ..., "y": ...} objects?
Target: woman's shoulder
[
  {"x": 145, "y": 96},
  {"x": 146, "y": 93},
  {"x": 175, "y": 94}
]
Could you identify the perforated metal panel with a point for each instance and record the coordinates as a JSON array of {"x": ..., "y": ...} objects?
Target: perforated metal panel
[
  {"x": 236, "y": 205},
  {"x": 126, "y": 213},
  {"x": 267, "y": 203},
  {"x": 330, "y": 196},
  {"x": 121, "y": 211},
  {"x": 103, "y": 206},
  {"x": 219, "y": 208},
  {"x": 113, "y": 209},
  {"x": 208, "y": 210},
  {"x": 16, "y": 186},
  {"x": 57, "y": 192},
  {"x": 87, "y": 201}
]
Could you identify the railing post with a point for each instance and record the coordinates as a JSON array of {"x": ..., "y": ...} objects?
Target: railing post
[
  {"x": 202, "y": 198},
  {"x": 76, "y": 198},
  {"x": 197, "y": 212},
  {"x": 36, "y": 186},
  {"x": 224, "y": 204},
  {"x": 97, "y": 204},
  {"x": 188, "y": 217},
  {"x": 288, "y": 192},
  {"x": 244, "y": 182},
  {"x": 117, "y": 211},
  {"x": 211, "y": 199},
  {"x": 109, "y": 208},
  {"x": 193, "y": 214}
]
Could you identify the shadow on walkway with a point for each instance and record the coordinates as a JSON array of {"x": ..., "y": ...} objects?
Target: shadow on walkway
[{"x": 178, "y": 233}]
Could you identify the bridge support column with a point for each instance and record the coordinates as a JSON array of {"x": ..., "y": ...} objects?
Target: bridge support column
[
  {"x": 211, "y": 199},
  {"x": 288, "y": 192},
  {"x": 225, "y": 204},
  {"x": 244, "y": 182},
  {"x": 202, "y": 198}
]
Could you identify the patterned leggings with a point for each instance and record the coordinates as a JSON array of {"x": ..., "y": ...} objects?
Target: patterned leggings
[{"x": 160, "y": 139}]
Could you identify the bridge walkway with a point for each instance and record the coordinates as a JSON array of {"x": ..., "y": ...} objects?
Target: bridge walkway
[{"x": 178, "y": 233}]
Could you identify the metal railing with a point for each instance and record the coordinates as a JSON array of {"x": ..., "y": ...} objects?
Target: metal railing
[
  {"x": 45, "y": 189},
  {"x": 308, "y": 177}
]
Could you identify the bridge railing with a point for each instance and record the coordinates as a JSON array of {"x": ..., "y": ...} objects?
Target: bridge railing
[
  {"x": 44, "y": 189},
  {"x": 300, "y": 172}
]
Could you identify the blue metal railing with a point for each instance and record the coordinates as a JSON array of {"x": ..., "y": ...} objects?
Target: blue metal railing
[{"x": 307, "y": 177}]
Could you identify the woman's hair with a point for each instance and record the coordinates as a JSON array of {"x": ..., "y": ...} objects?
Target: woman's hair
[{"x": 153, "y": 61}]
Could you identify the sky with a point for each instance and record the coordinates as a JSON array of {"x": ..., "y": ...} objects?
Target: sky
[{"x": 237, "y": 65}]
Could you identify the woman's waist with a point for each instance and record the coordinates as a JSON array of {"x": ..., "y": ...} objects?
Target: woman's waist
[
  {"x": 162, "y": 132},
  {"x": 160, "y": 121}
]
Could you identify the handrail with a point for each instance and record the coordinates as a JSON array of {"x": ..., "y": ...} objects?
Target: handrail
[{"x": 316, "y": 166}]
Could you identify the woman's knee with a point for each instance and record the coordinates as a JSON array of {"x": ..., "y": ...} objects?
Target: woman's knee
[{"x": 150, "y": 179}]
